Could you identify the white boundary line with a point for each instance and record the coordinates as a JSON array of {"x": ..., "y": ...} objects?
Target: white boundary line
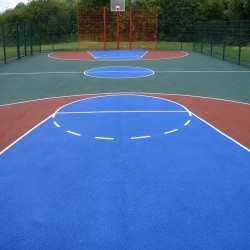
[
  {"x": 141, "y": 58},
  {"x": 17, "y": 140},
  {"x": 150, "y": 70},
  {"x": 110, "y": 59},
  {"x": 114, "y": 93},
  {"x": 113, "y": 71},
  {"x": 39, "y": 73},
  {"x": 89, "y": 54},
  {"x": 230, "y": 138}
]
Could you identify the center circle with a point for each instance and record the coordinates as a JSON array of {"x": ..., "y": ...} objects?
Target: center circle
[{"x": 119, "y": 72}]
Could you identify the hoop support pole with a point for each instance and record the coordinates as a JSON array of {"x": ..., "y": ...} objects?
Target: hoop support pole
[
  {"x": 104, "y": 29},
  {"x": 118, "y": 29},
  {"x": 156, "y": 31},
  {"x": 130, "y": 28}
]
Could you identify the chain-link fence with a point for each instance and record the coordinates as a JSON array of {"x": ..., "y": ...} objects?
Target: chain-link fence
[
  {"x": 18, "y": 40},
  {"x": 226, "y": 40}
]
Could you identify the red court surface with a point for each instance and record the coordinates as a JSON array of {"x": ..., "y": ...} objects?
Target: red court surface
[{"x": 86, "y": 56}]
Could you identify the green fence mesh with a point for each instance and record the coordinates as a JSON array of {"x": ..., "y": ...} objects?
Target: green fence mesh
[{"x": 226, "y": 40}]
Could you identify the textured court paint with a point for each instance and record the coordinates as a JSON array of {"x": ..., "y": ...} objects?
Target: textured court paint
[
  {"x": 174, "y": 192},
  {"x": 117, "y": 55},
  {"x": 149, "y": 55},
  {"x": 16, "y": 88},
  {"x": 28, "y": 115},
  {"x": 118, "y": 72},
  {"x": 146, "y": 116}
]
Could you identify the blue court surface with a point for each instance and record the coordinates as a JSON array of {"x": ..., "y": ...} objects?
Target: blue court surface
[
  {"x": 119, "y": 72},
  {"x": 117, "y": 55},
  {"x": 124, "y": 172}
]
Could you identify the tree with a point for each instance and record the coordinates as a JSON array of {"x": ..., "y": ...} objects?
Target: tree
[{"x": 239, "y": 10}]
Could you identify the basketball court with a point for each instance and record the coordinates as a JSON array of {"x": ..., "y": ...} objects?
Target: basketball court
[{"x": 124, "y": 149}]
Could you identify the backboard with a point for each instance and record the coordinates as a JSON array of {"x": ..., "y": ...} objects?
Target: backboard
[{"x": 117, "y": 5}]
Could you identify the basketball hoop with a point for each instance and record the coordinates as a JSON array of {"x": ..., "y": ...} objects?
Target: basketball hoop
[{"x": 117, "y": 5}]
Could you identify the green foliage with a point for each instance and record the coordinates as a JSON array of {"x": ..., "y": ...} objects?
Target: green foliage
[{"x": 205, "y": 10}]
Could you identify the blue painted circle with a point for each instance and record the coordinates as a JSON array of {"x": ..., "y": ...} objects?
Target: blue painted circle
[
  {"x": 122, "y": 116},
  {"x": 119, "y": 72}
]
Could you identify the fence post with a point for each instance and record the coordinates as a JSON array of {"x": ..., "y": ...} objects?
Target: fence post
[
  {"x": 104, "y": 29},
  {"x": 17, "y": 41},
  {"x": 202, "y": 35},
  {"x": 157, "y": 27},
  {"x": 240, "y": 42},
  {"x": 24, "y": 39},
  {"x": 40, "y": 38},
  {"x": 4, "y": 48},
  {"x": 211, "y": 38},
  {"x": 224, "y": 40},
  {"x": 31, "y": 40},
  {"x": 130, "y": 28}
]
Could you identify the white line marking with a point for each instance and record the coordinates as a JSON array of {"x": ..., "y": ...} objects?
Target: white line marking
[
  {"x": 171, "y": 131},
  {"x": 38, "y": 73},
  {"x": 187, "y": 122},
  {"x": 144, "y": 54},
  {"x": 104, "y": 138},
  {"x": 113, "y": 71},
  {"x": 124, "y": 93},
  {"x": 99, "y": 95},
  {"x": 91, "y": 55},
  {"x": 73, "y": 133},
  {"x": 140, "y": 137},
  {"x": 247, "y": 149},
  {"x": 57, "y": 124},
  {"x": 127, "y": 94},
  {"x": 203, "y": 71},
  {"x": 24, "y": 135},
  {"x": 122, "y": 111}
]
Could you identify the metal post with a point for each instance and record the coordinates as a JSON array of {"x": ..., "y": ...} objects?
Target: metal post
[
  {"x": 202, "y": 35},
  {"x": 118, "y": 29},
  {"x": 224, "y": 40},
  {"x": 24, "y": 39},
  {"x": 241, "y": 29},
  {"x": 40, "y": 39},
  {"x": 17, "y": 41},
  {"x": 157, "y": 14},
  {"x": 211, "y": 37},
  {"x": 31, "y": 40},
  {"x": 4, "y": 48},
  {"x": 104, "y": 29},
  {"x": 78, "y": 28},
  {"x": 130, "y": 28}
]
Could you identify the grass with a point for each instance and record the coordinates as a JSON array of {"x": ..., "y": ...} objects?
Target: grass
[{"x": 231, "y": 52}]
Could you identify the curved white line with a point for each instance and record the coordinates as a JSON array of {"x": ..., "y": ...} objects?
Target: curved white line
[
  {"x": 126, "y": 111},
  {"x": 114, "y": 93}
]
